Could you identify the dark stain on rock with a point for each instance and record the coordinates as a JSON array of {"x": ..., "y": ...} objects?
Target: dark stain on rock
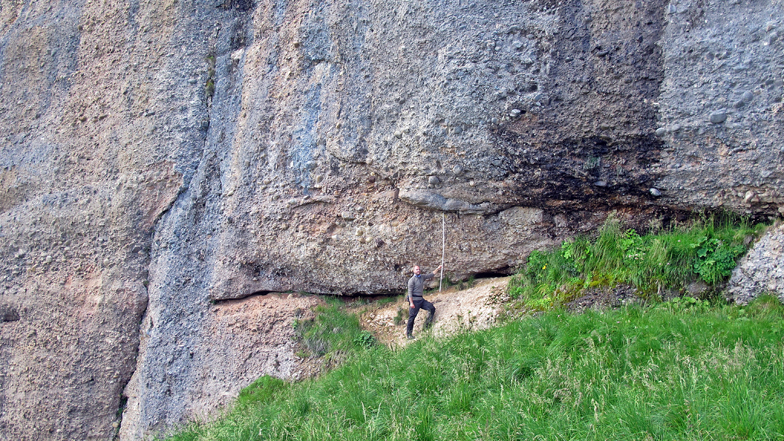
[
  {"x": 8, "y": 314},
  {"x": 591, "y": 172},
  {"x": 239, "y": 5}
]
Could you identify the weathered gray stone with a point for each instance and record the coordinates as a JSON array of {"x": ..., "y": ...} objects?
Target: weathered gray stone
[
  {"x": 697, "y": 288},
  {"x": 718, "y": 116},
  {"x": 522, "y": 216},
  {"x": 760, "y": 271},
  {"x": 135, "y": 138},
  {"x": 435, "y": 201}
]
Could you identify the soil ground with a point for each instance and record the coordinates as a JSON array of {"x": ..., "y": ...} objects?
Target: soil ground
[{"x": 474, "y": 308}]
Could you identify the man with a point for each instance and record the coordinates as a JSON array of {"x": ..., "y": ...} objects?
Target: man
[{"x": 416, "y": 285}]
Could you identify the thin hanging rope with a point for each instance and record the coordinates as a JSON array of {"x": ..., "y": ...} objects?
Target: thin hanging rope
[{"x": 443, "y": 248}]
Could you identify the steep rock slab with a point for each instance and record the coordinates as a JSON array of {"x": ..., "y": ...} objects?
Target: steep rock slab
[
  {"x": 97, "y": 132},
  {"x": 343, "y": 111},
  {"x": 240, "y": 340},
  {"x": 721, "y": 111},
  {"x": 205, "y": 151}
]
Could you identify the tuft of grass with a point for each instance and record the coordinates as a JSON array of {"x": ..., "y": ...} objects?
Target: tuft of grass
[
  {"x": 467, "y": 284},
  {"x": 260, "y": 391},
  {"x": 387, "y": 300},
  {"x": 665, "y": 261},
  {"x": 702, "y": 371},
  {"x": 401, "y": 316},
  {"x": 333, "y": 333},
  {"x": 766, "y": 306},
  {"x": 209, "y": 84}
]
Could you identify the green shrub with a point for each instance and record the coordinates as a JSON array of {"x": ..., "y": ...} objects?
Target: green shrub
[
  {"x": 715, "y": 259},
  {"x": 686, "y": 303},
  {"x": 708, "y": 250},
  {"x": 365, "y": 339},
  {"x": 333, "y": 332}
]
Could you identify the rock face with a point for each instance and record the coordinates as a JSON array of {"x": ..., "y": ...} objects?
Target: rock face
[
  {"x": 247, "y": 339},
  {"x": 761, "y": 271},
  {"x": 160, "y": 158}
]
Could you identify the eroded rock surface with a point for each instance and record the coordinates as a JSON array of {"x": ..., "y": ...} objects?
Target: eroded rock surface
[
  {"x": 241, "y": 341},
  {"x": 160, "y": 156},
  {"x": 761, "y": 271}
]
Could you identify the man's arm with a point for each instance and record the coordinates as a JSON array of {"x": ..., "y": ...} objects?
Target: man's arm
[{"x": 435, "y": 273}]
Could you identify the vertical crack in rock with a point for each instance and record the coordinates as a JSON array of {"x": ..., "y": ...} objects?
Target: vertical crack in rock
[{"x": 186, "y": 245}]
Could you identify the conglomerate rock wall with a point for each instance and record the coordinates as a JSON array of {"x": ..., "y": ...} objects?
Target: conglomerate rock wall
[{"x": 167, "y": 163}]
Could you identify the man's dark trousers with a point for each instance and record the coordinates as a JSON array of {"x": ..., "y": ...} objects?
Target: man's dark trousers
[{"x": 412, "y": 313}]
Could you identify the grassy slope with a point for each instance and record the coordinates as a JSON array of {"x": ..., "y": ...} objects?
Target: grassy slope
[
  {"x": 684, "y": 369},
  {"x": 637, "y": 373}
]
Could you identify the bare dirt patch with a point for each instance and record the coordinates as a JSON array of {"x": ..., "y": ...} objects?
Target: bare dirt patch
[{"x": 474, "y": 308}]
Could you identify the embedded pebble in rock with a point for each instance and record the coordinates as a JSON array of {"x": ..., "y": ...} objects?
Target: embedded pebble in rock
[{"x": 718, "y": 117}]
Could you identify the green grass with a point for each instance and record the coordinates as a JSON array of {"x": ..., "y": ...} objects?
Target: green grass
[
  {"x": 332, "y": 335},
  {"x": 654, "y": 264},
  {"x": 686, "y": 369},
  {"x": 678, "y": 370}
]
